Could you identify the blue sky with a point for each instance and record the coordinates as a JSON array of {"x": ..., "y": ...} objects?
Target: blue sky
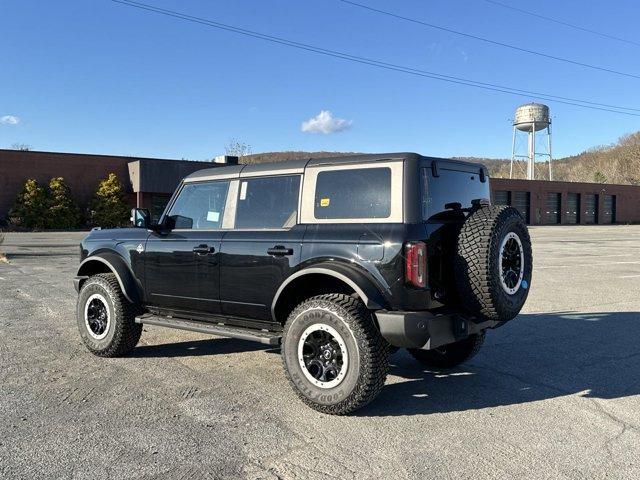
[{"x": 98, "y": 77}]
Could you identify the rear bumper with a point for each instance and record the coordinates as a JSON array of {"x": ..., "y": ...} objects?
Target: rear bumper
[{"x": 426, "y": 330}]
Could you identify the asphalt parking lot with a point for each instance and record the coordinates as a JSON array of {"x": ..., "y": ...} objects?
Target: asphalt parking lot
[{"x": 554, "y": 394}]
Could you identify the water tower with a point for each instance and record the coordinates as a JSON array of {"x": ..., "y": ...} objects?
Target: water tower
[{"x": 530, "y": 119}]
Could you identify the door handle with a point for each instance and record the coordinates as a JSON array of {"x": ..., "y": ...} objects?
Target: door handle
[
  {"x": 280, "y": 250},
  {"x": 203, "y": 250}
]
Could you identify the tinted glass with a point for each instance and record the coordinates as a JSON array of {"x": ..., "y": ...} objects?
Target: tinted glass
[
  {"x": 270, "y": 202},
  {"x": 158, "y": 204},
  {"x": 200, "y": 206},
  {"x": 450, "y": 186},
  {"x": 357, "y": 193}
]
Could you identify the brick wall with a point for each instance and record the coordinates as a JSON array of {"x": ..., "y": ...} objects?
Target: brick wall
[
  {"x": 81, "y": 172},
  {"x": 627, "y": 197}
]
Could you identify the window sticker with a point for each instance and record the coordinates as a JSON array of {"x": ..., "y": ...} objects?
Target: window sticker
[
  {"x": 324, "y": 202},
  {"x": 243, "y": 191},
  {"x": 213, "y": 216}
]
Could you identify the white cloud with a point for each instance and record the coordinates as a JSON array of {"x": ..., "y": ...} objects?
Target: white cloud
[
  {"x": 326, "y": 123},
  {"x": 10, "y": 120}
]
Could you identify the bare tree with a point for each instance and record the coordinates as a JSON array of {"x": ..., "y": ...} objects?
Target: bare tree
[
  {"x": 21, "y": 146},
  {"x": 237, "y": 148},
  {"x": 3, "y": 258}
]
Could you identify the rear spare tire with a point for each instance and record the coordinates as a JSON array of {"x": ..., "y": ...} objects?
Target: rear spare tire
[{"x": 493, "y": 263}]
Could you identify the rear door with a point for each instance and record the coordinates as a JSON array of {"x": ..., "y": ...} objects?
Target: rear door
[
  {"x": 263, "y": 247},
  {"x": 182, "y": 266},
  {"x": 444, "y": 185}
]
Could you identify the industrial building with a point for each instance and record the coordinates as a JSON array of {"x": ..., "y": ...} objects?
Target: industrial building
[
  {"x": 551, "y": 203},
  {"x": 149, "y": 182},
  {"x": 544, "y": 202}
]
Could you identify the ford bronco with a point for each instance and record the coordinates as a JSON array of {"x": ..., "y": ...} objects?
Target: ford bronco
[{"x": 340, "y": 261}]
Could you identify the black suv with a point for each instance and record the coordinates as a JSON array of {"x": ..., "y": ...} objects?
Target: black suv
[{"x": 340, "y": 260}]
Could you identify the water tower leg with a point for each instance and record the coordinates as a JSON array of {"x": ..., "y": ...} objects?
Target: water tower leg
[
  {"x": 550, "y": 156},
  {"x": 532, "y": 153},
  {"x": 513, "y": 153}
]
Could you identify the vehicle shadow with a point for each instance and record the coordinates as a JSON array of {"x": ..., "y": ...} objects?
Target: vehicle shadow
[
  {"x": 197, "y": 348},
  {"x": 535, "y": 357}
]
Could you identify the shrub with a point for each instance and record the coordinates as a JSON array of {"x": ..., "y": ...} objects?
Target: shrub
[
  {"x": 109, "y": 207},
  {"x": 599, "y": 177},
  {"x": 30, "y": 207},
  {"x": 63, "y": 211}
]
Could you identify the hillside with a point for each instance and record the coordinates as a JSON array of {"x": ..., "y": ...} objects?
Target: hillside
[
  {"x": 615, "y": 163},
  {"x": 282, "y": 156}
]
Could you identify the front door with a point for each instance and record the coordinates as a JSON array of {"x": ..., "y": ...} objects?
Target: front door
[
  {"x": 264, "y": 246},
  {"x": 183, "y": 265}
]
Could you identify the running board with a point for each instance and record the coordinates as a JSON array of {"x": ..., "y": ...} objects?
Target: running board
[{"x": 262, "y": 336}]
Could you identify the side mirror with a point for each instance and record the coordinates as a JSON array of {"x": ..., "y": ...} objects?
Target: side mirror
[
  {"x": 140, "y": 218},
  {"x": 169, "y": 223}
]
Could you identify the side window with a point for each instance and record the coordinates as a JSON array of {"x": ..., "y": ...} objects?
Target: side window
[
  {"x": 357, "y": 193},
  {"x": 200, "y": 206},
  {"x": 270, "y": 202}
]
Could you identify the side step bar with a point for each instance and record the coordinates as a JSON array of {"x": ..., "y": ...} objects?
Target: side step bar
[{"x": 262, "y": 336}]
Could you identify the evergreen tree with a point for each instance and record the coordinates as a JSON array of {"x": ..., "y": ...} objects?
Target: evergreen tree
[
  {"x": 30, "y": 207},
  {"x": 109, "y": 207},
  {"x": 63, "y": 211},
  {"x": 599, "y": 177}
]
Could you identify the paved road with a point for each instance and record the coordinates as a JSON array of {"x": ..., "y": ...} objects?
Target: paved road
[{"x": 554, "y": 394}]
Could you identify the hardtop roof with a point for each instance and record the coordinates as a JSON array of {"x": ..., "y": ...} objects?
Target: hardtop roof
[{"x": 301, "y": 164}]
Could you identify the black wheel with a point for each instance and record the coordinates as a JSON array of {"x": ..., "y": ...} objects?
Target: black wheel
[
  {"x": 493, "y": 263},
  {"x": 106, "y": 318},
  {"x": 452, "y": 355},
  {"x": 333, "y": 355}
]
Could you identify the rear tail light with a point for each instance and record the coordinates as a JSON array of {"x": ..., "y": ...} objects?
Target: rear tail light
[{"x": 415, "y": 272}]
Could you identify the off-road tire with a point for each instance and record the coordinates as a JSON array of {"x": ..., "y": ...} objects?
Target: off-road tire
[
  {"x": 122, "y": 333},
  {"x": 477, "y": 267},
  {"x": 368, "y": 353},
  {"x": 452, "y": 355}
]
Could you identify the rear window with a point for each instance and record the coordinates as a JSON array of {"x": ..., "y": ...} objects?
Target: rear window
[
  {"x": 354, "y": 193},
  {"x": 450, "y": 186}
]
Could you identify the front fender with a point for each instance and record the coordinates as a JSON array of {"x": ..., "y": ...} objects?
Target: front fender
[
  {"x": 129, "y": 285},
  {"x": 370, "y": 294}
]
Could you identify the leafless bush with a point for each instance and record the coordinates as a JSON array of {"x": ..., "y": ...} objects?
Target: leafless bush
[
  {"x": 237, "y": 148},
  {"x": 3, "y": 259}
]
